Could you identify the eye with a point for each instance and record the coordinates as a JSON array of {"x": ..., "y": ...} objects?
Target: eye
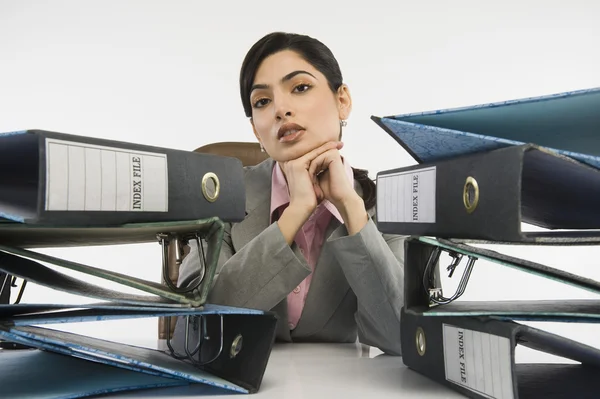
[
  {"x": 261, "y": 102},
  {"x": 302, "y": 87}
]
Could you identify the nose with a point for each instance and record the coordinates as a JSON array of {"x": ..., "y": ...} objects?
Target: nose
[
  {"x": 282, "y": 109},
  {"x": 286, "y": 115}
]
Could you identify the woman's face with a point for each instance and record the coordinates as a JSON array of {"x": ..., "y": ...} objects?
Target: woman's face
[{"x": 293, "y": 108}]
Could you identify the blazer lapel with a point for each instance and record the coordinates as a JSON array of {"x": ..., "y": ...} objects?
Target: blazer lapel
[
  {"x": 327, "y": 289},
  {"x": 258, "y": 204}
]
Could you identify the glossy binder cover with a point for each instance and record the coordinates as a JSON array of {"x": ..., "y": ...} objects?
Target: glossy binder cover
[
  {"x": 58, "y": 179},
  {"x": 235, "y": 348},
  {"x": 567, "y": 123},
  {"x": 26, "y": 374},
  {"x": 487, "y": 196}
]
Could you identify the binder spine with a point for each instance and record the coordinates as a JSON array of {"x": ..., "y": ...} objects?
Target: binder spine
[
  {"x": 84, "y": 181},
  {"x": 471, "y": 197},
  {"x": 471, "y": 356}
]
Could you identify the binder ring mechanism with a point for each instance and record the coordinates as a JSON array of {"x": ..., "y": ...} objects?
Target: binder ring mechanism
[
  {"x": 436, "y": 296},
  {"x": 178, "y": 241},
  {"x": 199, "y": 324}
]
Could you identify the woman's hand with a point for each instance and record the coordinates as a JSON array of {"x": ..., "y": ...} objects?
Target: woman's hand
[
  {"x": 332, "y": 183},
  {"x": 301, "y": 182},
  {"x": 330, "y": 180},
  {"x": 303, "y": 190}
]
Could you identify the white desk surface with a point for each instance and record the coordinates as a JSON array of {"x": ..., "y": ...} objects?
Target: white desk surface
[{"x": 314, "y": 371}]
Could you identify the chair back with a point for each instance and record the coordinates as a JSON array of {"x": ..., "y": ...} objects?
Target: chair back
[{"x": 249, "y": 153}]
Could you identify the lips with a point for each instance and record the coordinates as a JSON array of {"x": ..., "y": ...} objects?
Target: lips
[{"x": 289, "y": 132}]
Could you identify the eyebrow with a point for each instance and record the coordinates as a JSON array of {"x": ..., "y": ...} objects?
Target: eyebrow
[{"x": 283, "y": 80}]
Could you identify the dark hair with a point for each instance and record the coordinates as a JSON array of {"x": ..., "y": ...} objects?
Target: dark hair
[{"x": 321, "y": 58}]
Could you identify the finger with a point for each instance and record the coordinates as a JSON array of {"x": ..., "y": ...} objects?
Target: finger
[
  {"x": 321, "y": 163},
  {"x": 330, "y": 145},
  {"x": 318, "y": 192}
]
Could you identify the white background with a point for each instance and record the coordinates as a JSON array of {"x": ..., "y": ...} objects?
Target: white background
[{"x": 165, "y": 73}]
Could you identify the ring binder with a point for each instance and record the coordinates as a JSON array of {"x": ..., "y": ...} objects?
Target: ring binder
[
  {"x": 220, "y": 359},
  {"x": 16, "y": 260},
  {"x": 52, "y": 178},
  {"x": 489, "y": 195}
]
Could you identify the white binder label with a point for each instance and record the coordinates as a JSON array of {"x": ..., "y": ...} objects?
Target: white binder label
[
  {"x": 478, "y": 361},
  {"x": 87, "y": 177},
  {"x": 407, "y": 197}
]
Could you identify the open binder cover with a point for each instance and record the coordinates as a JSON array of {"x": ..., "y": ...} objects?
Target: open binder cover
[
  {"x": 39, "y": 309},
  {"x": 57, "y": 179},
  {"x": 21, "y": 235},
  {"x": 487, "y": 196},
  {"x": 26, "y": 374},
  {"x": 470, "y": 346},
  {"x": 567, "y": 123},
  {"x": 425, "y": 296},
  {"x": 24, "y": 263},
  {"x": 232, "y": 353}
]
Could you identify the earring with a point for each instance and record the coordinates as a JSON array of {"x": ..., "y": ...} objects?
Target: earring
[
  {"x": 343, "y": 123},
  {"x": 262, "y": 149}
]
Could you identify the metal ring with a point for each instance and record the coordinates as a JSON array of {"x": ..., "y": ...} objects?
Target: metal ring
[
  {"x": 420, "y": 341},
  {"x": 236, "y": 346},
  {"x": 470, "y": 205},
  {"x": 215, "y": 179}
]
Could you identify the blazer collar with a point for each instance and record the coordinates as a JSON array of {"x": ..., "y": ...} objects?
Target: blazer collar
[{"x": 258, "y": 184}]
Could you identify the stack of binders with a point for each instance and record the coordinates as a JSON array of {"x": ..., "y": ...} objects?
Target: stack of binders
[
  {"x": 61, "y": 190},
  {"x": 482, "y": 172}
]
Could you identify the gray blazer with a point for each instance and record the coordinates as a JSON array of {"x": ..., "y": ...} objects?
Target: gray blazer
[{"x": 357, "y": 288}]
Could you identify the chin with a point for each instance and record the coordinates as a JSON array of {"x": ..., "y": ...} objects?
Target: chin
[
  {"x": 290, "y": 152},
  {"x": 287, "y": 152}
]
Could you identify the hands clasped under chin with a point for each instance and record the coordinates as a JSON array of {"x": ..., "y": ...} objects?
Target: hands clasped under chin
[{"x": 318, "y": 175}]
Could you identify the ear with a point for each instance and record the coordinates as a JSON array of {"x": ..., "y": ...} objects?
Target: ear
[{"x": 344, "y": 100}]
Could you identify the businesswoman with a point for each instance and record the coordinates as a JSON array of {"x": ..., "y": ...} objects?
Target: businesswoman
[{"x": 308, "y": 248}]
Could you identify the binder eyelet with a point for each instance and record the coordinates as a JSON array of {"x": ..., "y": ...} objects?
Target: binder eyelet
[
  {"x": 211, "y": 193},
  {"x": 421, "y": 342},
  {"x": 236, "y": 346},
  {"x": 470, "y": 194}
]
